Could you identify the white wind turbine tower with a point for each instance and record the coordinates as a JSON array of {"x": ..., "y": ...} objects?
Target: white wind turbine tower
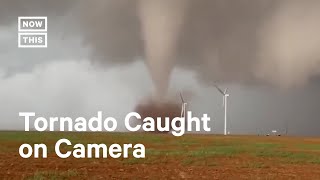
[{"x": 225, "y": 97}]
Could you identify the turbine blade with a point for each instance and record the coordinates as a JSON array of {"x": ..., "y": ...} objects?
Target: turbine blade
[
  {"x": 182, "y": 110},
  {"x": 223, "y": 99},
  {"x": 220, "y": 90},
  {"x": 181, "y": 98}
]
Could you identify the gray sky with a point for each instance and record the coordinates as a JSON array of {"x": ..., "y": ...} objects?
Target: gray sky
[{"x": 63, "y": 80}]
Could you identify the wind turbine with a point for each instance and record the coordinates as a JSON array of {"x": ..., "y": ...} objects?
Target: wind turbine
[
  {"x": 225, "y": 97},
  {"x": 183, "y": 106}
]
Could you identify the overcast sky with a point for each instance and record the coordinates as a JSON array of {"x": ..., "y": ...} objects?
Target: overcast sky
[{"x": 62, "y": 80}]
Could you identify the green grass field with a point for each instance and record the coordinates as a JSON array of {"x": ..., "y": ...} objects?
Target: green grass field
[{"x": 167, "y": 157}]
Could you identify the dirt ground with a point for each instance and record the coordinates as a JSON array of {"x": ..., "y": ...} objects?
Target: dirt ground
[{"x": 167, "y": 157}]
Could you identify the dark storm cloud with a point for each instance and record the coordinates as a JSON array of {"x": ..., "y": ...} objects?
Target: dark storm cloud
[
  {"x": 10, "y": 10},
  {"x": 262, "y": 41}
]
